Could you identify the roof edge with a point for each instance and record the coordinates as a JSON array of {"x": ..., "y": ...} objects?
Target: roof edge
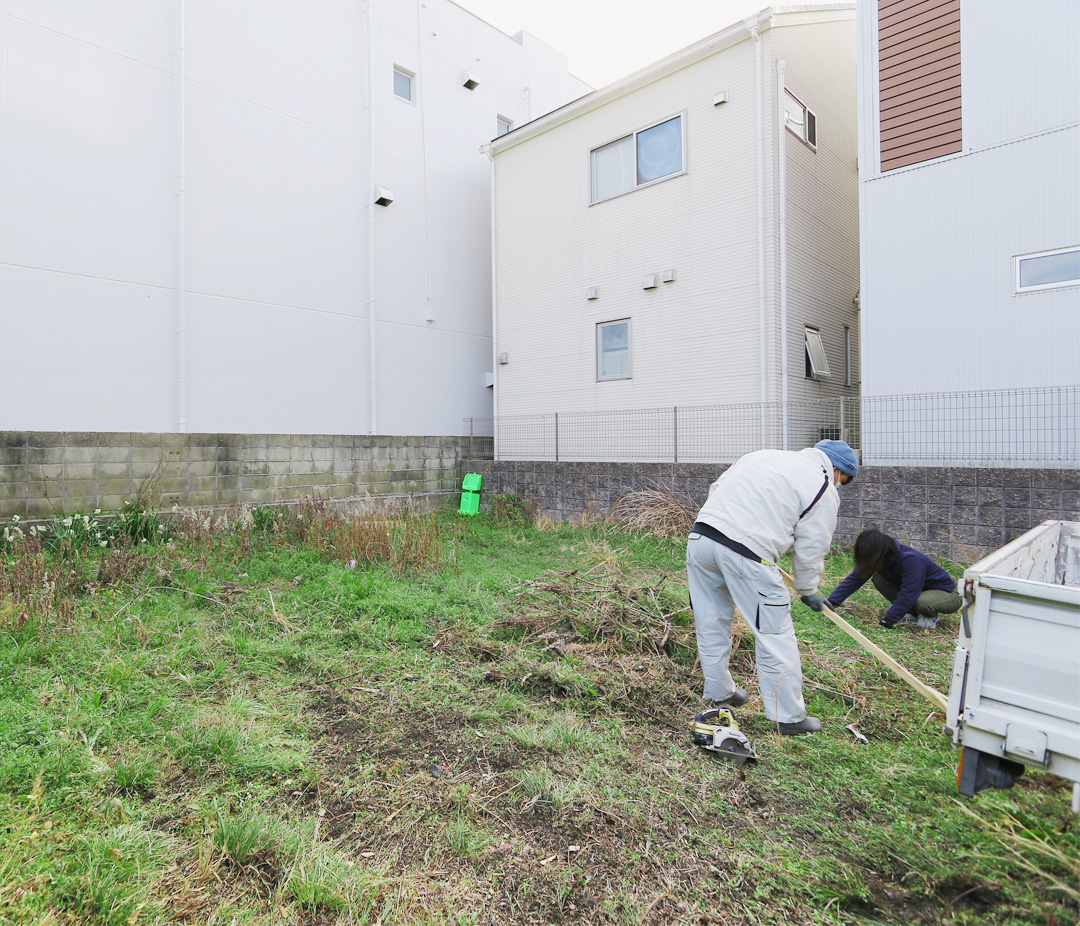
[{"x": 738, "y": 32}]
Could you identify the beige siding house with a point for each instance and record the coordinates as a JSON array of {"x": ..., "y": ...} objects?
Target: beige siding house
[{"x": 685, "y": 237}]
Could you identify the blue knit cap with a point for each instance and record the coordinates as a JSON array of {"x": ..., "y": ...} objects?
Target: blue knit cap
[{"x": 842, "y": 456}]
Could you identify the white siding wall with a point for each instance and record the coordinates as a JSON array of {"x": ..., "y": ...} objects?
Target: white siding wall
[
  {"x": 695, "y": 341},
  {"x": 822, "y": 205},
  {"x": 277, "y": 156},
  {"x": 939, "y": 312},
  {"x": 939, "y": 308}
]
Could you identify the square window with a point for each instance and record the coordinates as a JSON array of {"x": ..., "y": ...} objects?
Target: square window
[
  {"x": 1048, "y": 270},
  {"x": 403, "y": 84},
  {"x": 799, "y": 119},
  {"x": 817, "y": 364},
  {"x": 650, "y": 154},
  {"x": 613, "y": 350},
  {"x": 502, "y": 126}
]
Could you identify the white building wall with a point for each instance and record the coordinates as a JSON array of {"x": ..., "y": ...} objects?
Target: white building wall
[
  {"x": 695, "y": 341},
  {"x": 940, "y": 312},
  {"x": 552, "y": 245},
  {"x": 939, "y": 241},
  {"x": 276, "y": 153},
  {"x": 822, "y": 206}
]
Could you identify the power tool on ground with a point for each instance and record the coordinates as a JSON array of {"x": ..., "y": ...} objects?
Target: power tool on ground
[{"x": 717, "y": 730}]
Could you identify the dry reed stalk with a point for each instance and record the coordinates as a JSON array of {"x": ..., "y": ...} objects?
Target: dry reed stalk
[{"x": 658, "y": 511}]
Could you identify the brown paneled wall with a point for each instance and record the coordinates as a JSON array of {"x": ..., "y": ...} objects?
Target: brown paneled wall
[{"x": 918, "y": 80}]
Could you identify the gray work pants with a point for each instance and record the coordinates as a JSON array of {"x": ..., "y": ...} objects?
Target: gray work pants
[{"x": 721, "y": 580}]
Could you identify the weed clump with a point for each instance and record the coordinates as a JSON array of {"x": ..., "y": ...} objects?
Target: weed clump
[
  {"x": 604, "y": 604},
  {"x": 658, "y": 511}
]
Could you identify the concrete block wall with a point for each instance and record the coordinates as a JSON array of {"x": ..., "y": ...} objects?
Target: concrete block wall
[
  {"x": 44, "y": 473},
  {"x": 955, "y": 513}
]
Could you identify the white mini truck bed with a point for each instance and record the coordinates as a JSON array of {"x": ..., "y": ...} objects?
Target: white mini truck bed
[{"x": 1014, "y": 700}]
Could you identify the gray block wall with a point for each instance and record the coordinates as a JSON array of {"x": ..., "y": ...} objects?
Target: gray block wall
[
  {"x": 956, "y": 513},
  {"x": 44, "y": 473}
]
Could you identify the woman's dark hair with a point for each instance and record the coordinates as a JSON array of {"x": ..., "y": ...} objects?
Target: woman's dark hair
[{"x": 873, "y": 549}]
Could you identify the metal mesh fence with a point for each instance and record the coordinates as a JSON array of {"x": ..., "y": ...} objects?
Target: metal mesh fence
[{"x": 1009, "y": 428}]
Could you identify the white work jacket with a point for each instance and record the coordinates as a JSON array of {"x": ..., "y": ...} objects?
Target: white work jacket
[{"x": 760, "y": 502}]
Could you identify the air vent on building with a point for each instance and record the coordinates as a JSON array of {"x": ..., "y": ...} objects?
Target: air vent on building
[
  {"x": 593, "y": 292},
  {"x": 383, "y": 196},
  {"x": 650, "y": 281},
  {"x": 469, "y": 81}
]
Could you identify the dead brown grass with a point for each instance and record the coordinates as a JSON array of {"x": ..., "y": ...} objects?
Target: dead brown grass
[
  {"x": 658, "y": 511},
  {"x": 604, "y": 604}
]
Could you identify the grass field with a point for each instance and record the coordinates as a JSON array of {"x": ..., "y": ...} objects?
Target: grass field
[{"x": 404, "y": 719}]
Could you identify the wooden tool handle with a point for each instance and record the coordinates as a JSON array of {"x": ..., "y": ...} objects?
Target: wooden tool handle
[{"x": 932, "y": 695}]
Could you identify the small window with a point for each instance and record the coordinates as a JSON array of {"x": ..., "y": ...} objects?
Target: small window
[
  {"x": 403, "y": 84},
  {"x": 643, "y": 157},
  {"x": 1048, "y": 270},
  {"x": 613, "y": 350},
  {"x": 799, "y": 119},
  {"x": 848, "y": 371},
  {"x": 817, "y": 365},
  {"x": 502, "y": 126}
]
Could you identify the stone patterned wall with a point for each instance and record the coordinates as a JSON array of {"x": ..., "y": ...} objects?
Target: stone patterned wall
[
  {"x": 43, "y": 473},
  {"x": 952, "y": 512}
]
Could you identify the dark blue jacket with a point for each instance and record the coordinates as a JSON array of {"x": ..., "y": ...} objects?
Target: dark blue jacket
[{"x": 911, "y": 571}]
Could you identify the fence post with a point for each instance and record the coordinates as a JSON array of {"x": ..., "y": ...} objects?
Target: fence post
[
  {"x": 843, "y": 430},
  {"x": 556, "y": 437},
  {"x": 675, "y": 431}
]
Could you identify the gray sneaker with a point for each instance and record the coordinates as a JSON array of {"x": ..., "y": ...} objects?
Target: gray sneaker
[
  {"x": 926, "y": 623},
  {"x": 736, "y": 699},
  {"x": 807, "y": 725}
]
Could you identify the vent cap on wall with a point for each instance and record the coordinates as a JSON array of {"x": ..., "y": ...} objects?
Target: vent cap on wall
[
  {"x": 469, "y": 81},
  {"x": 593, "y": 292},
  {"x": 383, "y": 196},
  {"x": 650, "y": 281}
]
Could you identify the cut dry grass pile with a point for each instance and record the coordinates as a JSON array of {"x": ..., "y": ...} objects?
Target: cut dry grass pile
[
  {"x": 658, "y": 511},
  {"x": 603, "y": 604}
]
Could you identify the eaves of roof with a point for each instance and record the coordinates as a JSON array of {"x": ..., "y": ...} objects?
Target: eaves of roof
[{"x": 769, "y": 17}]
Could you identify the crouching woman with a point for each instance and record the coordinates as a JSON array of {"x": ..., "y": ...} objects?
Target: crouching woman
[{"x": 918, "y": 588}]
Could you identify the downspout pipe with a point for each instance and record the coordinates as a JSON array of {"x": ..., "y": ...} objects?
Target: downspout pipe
[
  {"x": 782, "y": 244},
  {"x": 494, "y": 313},
  {"x": 373, "y": 377},
  {"x": 752, "y": 28},
  {"x": 180, "y": 306}
]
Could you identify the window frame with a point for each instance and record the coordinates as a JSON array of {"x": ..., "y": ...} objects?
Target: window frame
[
  {"x": 812, "y": 333},
  {"x": 808, "y": 114},
  {"x": 1040, "y": 287},
  {"x": 502, "y": 120},
  {"x": 615, "y": 377},
  {"x": 411, "y": 77},
  {"x": 848, "y": 370},
  {"x": 681, "y": 116}
]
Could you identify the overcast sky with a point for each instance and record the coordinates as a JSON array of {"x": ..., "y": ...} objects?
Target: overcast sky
[{"x": 608, "y": 39}]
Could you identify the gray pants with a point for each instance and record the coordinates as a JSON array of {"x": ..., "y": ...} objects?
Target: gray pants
[
  {"x": 720, "y": 581},
  {"x": 931, "y": 603}
]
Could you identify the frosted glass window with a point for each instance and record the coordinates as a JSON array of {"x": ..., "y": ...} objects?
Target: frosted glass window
[
  {"x": 799, "y": 119},
  {"x": 502, "y": 126},
  {"x": 613, "y": 169},
  {"x": 613, "y": 350},
  {"x": 817, "y": 364},
  {"x": 650, "y": 154},
  {"x": 659, "y": 150},
  {"x": 402, "y": 85},
  {"x": 1048, "y": 270}
]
